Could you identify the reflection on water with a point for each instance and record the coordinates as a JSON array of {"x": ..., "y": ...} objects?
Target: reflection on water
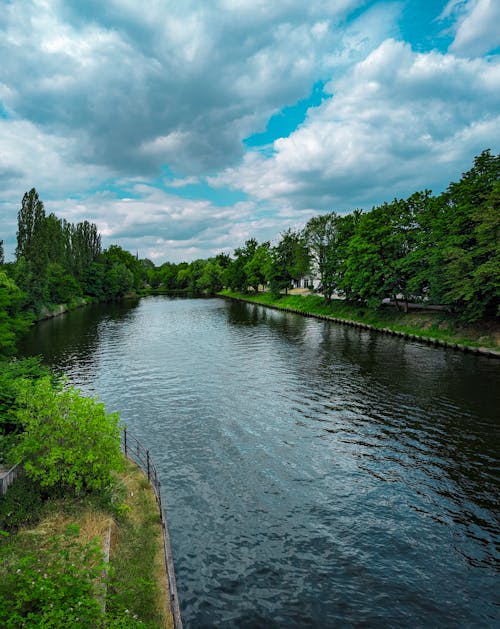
[{"x": 314, "y": 475}]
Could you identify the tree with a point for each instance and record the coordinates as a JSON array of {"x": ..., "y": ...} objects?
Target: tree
[
  {"x": 31, "y": 246},
  {"x": 289, "y": 260},
  {"x": 235, "y": 276},
  {"x": 122, "y": 272},
  {"x": 12, "y": 372},
  {"x": 61, "y": 286},
  {"x": 85, "y": 247},
  {"x": 2, "y": 258},
  {"x": 29, "y": 220},
  {"x": 346, "y": 226},
  {"x": 469, "y": 236},
  {"x": 379, "y": 257},
  {"x": 255, "y": 268},
  {"x": 14, "y": 320},
  {"x": 68, "y": 440},
  {"x": 320, "y": 234},
  {"x": 210, "y": 279}
]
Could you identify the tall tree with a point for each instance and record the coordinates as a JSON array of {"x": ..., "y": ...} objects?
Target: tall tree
[
  {"x": 470, "y": 233},
  {"x": 320, "y": 234},
  {"x": 234, "y": 275},
  {"x": 289, "y": 260},
  {"x": 85, "y": 246},
  {"x": 31, "y": 250},
  {"x": 29, "y": 220},
  {"x": 255, "y": 268}
]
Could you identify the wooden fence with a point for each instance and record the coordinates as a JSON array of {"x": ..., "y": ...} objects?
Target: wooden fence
[
  {"x": 8, "y": 477},
  {"x": 137, "y": 453}
]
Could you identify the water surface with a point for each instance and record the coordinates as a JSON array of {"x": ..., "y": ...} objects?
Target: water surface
[{"x": 314, "y": 475}]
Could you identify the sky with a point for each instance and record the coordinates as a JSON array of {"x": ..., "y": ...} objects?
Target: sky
[{"x": 184, "y": 128}]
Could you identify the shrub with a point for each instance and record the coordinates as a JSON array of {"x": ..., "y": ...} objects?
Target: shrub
[
  {"x": 69, "y": 440},
  {"x": 55, "y": 586}
]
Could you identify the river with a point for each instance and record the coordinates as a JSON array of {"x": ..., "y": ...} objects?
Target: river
[{"x": 314, "y": 475}]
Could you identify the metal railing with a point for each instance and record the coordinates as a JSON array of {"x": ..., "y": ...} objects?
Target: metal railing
[
  {"x": 8, "y": 477},
  {"x": 136, "y": 452}
]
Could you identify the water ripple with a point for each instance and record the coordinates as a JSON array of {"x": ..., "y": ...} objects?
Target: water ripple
[{"x": 314, "y": 475}]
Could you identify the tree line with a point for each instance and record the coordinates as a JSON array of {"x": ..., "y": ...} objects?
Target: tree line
[{"x": 440, "y": 249}]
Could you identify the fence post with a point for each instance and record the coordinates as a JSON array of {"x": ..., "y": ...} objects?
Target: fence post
[
  {"x": 147, "y": 462},
  {"x": 125, "y": 439},
  {"x": 159, "y": 500}
]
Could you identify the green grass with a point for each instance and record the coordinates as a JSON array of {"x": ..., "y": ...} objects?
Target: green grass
[
  {"x": 441, "y": 326},
  {"x": 136, "y": 586},
  {"x": 137, "y": 570}
]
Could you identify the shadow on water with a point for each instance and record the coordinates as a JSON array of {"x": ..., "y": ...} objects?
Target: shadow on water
[{"x": 75, "y": 335}]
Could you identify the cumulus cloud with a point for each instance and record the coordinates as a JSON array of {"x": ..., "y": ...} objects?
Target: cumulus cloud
[
  {"x": 477, "y": 28},
  {"x": 397, "y": 122},
  {"x": 181, "y": 83},
  {"x": 133, "y": 100}
]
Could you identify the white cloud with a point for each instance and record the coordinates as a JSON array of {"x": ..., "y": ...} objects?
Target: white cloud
[
  {"x": 99, "y": 93},
  {"x": 180, "y": 82},
  {"x": 399, "y": 121},
  {"x": 477, "y": 27}
]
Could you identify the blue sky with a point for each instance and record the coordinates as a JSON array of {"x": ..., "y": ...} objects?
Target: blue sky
[{"x": 182, "y": 129}]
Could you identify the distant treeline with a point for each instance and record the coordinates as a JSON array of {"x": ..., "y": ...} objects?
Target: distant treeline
[{"x": 440, "y": 249}]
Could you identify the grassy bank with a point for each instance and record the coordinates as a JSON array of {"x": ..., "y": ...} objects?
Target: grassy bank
[
  {"x": 440, "y": 326},
  {"x": 81, "y": 562}
]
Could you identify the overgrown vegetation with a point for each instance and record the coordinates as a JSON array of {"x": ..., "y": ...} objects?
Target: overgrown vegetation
[
  {"x": 137, "y": 579},
  {"x": 70, "y": 450},
  {"x": 67, "y": 440}
]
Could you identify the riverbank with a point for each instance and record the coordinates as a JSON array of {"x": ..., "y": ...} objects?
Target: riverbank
[
  {"x": 85, "y": 562},
  {"x": 437, "y": 328},
  {"x": 50, "y": 311}
]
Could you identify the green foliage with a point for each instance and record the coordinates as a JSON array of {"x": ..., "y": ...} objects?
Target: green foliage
[
  {"x": 123, "y": 272},
  {"x": 440, "y": 249},
  {"x": 61, "y": 286},
  {"x": 14, "y": 320},
  {"x": 210, "y": 279},
  {"x": 12, "y": 373},
  {"x": 235, "y": 275},
  {"x": 255, "y": 268},
  {"x": 321, "y": 236},
  {"x": 470, "y": 236},
  {"x": 55, "y": 585},
  {"x": 289, "y": 260},
  {"x": 22, "y": 504},
  {"x": 68, "y": 440}
]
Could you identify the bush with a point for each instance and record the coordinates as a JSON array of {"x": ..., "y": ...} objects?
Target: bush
[
  {"x": 69, "y": 440},
  {"x": 54, "y": 586}
]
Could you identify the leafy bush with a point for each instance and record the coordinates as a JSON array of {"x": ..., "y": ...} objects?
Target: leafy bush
[
  {"x": 12, "y": 372},
  {"x": 56, "y": 586},
  {"x": 13, "y": 319},
  {"x": 69, "y": 440}
]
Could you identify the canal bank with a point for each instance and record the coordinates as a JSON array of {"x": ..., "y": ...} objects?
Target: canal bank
[{"x": 314, "y": 306}]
